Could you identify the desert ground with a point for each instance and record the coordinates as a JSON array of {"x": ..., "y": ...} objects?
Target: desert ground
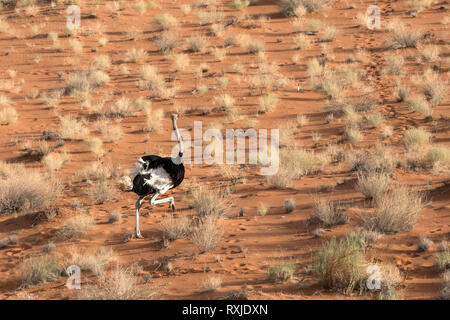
[{"x": 363, "y": 115}]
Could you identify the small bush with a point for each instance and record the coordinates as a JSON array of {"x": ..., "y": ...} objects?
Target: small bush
[
  {"x": 256, "y": 46},
  {"x": 442, "y": 260},
  {"x": 181, "y": 62},
  {"x": 379, "y": 160},
  {"x": 72, "y": 129},
  {"x": 102, "y": 62},
  {"x": 401, "y": 36},
  {"x": 153, "y": 121},
  {"x": 39, "y": 270},
  {"x": 76, "y": 227},
  {"x": 208, "y": 234},
  {"x": 341, "y": 265},
  {"x": 119, "y": 284},
  {"x": 416, "y": 137},
  {"x": 445, "y": 289},
  {"x": 401, "y": 92},
  {"x": 439, "y": 154},
  {"x": 102, "y": 191},
  {"x": 390, "y": 280},
  {"x": 281, "y": 272},
  {"x": 6, "y": 241},
  {"x": 373, "y": 120},
  {"x": 239, "y": 4},
  {"x": 396, "y": 211},
  {"x": 394, "y": 64},
  {"x": 25, "y": 190},
  {"x": 208, "y": 202},
  {"x": 262, "y": 209},
  {"x": 210, "y": 284},
  {"x": 282, "y": 179},
  {"x": 373, "y": 184},
  {"x": 135, "y": 55},
  {"x": 109, "y": 132},
  {"x": 196, "y": 43},
  {"x": 166, "y": 21},
  {"x": 95, "y": 262},
  {"x": 329, "y": 213},
  {"x": 120, "y": 108},
  {"x": 329, "y": 34},
  {"x": 95, "y": 145},
  {"x": 174, "y": 229},
  {"x": 302, "y": 41},
  {"x": 166, "y": 42},
  {"x": 424, "y": 244},
  {"x": 54, "y": 161},
  {"x": 49, "y": 247},
  {"x": 225, "y": 101},
  {"x": 8, "y": 115},
  {"x": 353, "y": 134},
  {"x": 291, "y": 7},
  {"x": 267, "y": 103},
  {"x": 432, "y": 86},
  {"x": 419, "y": 104},
  {"x": 114, "y": 216},
  {"x": 81, "y": 83},
  {"x": 289, "y": 205}
]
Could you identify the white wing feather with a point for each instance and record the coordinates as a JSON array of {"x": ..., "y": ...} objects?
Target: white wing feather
[{"x": 159, "y": 179}]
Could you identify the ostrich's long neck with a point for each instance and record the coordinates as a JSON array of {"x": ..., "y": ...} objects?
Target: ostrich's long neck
[{"x": 180, "y": 142}]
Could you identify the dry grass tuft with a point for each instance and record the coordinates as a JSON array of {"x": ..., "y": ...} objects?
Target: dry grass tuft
[
  {"x": 81, "y": 83},
  {"x": 153, "y": 121},
  {"x": 394, "y": 64},
  {"x": 210, "y": 284},
  {"x": 166, "y": 21},
  {"x": 445, "y": 289},
  {"x": 76, "y": 227},
  {"x": 416, "y": 137},
  {"x": 341, "y": 265},
  {"x": 24, "y": 189},
  {"x": 208, "y": 234},
  {"x": 114, "y": 216},
  {"x": 72, "y": 129},
  {"x": 442, "y": 260},
  {"x": 166, "y": 42},
  {"x": 196, "y": 43},
  {"x": 396, "y": 211},
  {"x": 95, "y": 262},
  {"x": 373, "y": 184},
  {"x": 379, "y": 160},
  {"x": 281, "y": 272},
  {"x": 329, "y": 213},
  {"x": 424, "y": 244},
  {"x": 39, "y": 270},
  {"x": 119, "y": 284},
  {"x": 135, "y": 55},
  {"x": 289, "y": 205},
  {"x": 102, "y": 191},
  {"x": 401, "y": 36},
  {"x": 174, "y": 229},
  {"x": 208, "y": 202},
  {"x": 8, "y": 115}
]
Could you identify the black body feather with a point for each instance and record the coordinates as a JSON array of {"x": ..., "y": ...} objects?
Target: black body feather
[{"x": 175, "y": 171}]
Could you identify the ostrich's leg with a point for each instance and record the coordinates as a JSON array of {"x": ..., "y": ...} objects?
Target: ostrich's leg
[
  {"x": 169, "y": 199},
  {"x": 138, "y": 207}
]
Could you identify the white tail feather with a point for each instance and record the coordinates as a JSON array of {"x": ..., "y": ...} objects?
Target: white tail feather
[{"x": 125, "y": 183}]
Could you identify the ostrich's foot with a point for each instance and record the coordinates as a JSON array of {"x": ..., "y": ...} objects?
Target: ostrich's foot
[
  {"x": 172, "y": 206},
  {"x": 139, "y": 235}
]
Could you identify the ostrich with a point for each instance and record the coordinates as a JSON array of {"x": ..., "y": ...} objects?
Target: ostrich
[{"x": 155, "y": 176}]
